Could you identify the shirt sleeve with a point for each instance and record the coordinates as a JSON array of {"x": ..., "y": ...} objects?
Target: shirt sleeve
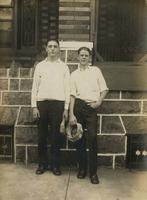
[
  {"x": 35, "y": 87},
  {"x": 72, "y": 85},
  {"x": 67, "y": 88},
  {"x": 101, "y": 81}
]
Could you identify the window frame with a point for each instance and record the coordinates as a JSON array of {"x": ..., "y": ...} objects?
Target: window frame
[{"x": 14, "y": 50}]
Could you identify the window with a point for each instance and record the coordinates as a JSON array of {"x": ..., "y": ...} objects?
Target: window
[
  {"x": 6, "y": 23},
  {"x": 121, "y": 42}
]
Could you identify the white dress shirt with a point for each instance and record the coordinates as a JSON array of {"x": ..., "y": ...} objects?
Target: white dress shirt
[
  {"x": 87, "y": 84},
  {"x": 51, "y": 82}
]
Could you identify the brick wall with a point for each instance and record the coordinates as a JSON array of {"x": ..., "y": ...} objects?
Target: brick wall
[{"x": 122, "y": 112}]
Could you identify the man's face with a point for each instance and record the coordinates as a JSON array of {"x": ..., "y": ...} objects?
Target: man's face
[
  {"x": 84, "y": 57},
  {"x": 52, "y": 48}
]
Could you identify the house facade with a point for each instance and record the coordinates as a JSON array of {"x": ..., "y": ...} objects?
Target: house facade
[{"x": 117, "y": 30}]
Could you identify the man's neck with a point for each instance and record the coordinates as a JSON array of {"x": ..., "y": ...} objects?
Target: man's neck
[
  {"x": 52, "y": 59},
  {"x": 83, "y": 67}
]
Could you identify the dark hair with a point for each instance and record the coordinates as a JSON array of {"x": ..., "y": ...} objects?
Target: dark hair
[
  {"x": 84, "y": 48},
  {"x": 55, "y": 40}
]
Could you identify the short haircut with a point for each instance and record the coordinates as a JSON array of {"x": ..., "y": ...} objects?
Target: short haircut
[
  {"x": 55, "y": 40},
  {"x": 84, "y": 48}
]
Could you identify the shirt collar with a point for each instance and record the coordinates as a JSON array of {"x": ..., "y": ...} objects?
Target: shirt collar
[
  {"x": 81, "y": 70},
  {"x": 57, "y": 61}
]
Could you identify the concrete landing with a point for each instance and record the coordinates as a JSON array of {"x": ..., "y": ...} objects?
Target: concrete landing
[{"x": 20, "y": 183}]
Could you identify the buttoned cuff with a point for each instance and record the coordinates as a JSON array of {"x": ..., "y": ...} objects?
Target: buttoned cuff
[
  {"x": 66, "y": 106},
  {"x": 34, "y": 104}
]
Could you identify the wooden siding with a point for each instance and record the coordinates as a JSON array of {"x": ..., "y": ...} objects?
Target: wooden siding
[{"x": 74, "y": 20}]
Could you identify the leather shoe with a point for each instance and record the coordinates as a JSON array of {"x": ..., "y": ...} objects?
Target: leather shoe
[
  {"x": 40, "y": 170},
  {"x": 94, "y": 179},
  {"x": 56, "y": 171},
  {"x": 81, "y": 174}
]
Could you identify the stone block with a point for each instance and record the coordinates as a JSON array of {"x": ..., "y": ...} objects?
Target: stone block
[
  {"x": 111, "y": 144},
  {"x": 0, "y": 97},
  {"x": 16, "y": 98},
  {"x": 14, "y": 84},
  {"x": 26, "y": 84},
  {"x": 72, "y": 67},
  {"x": 134, "y": 95},
  {"x": 72, "y": 56},
  {"x": 5, "y": 159},
  {"x": 13, "y": 72},
  {"x": 26, "y": 135},
  {"x": 20, "y": 154},
  {"x": 26, "y": 116},
  {"x": 6, "y": 130},
  {"x": 25, "y": 72},
  {"x": 25, "y": 63},
  {"x": 5, "y": 64},
  {"x": 105, "y": 160},
  {"x": 8, "y": 115},
  {"x": 3, "y": 84},
  {"x": 111, "y": 124},
  {"x": 119, "y": 107},
  {"x": 145, "y": 107},
  {"x": 113, "y": 95},
  {"x": 3, "y": 72},
  {"x": 32, "y": 152},
  {"x": 68, "y": 158},
  {"x": 5, "y": 145},
  {"x": 135, "y": 124},
  {"x": 120, "y": 161}
]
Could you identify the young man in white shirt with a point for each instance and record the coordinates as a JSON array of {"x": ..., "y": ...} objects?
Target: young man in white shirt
[
  {"x": 88, "y": 90},
  {"x": 50, "y": 102}
]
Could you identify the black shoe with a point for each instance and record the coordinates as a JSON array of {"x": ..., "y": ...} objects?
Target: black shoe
[
  {"x": 94, "y": 179},
  {"x": 56, "y": 171},
  {"x": 81, "y": 174},
  {"x": 41, "y": 169}
]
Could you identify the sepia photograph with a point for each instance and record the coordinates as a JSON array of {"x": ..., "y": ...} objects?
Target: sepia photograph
[{"x": 73, "y": 99}]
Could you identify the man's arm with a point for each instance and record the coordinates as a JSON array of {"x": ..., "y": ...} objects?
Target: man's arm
[
  {"x": 72, "y": 118},
  {"x": 103, "y": 89},
  {"x": 99, "y": 102},
  {"x": 34, "y": 93},
  {"x": 67, "y": 93}
]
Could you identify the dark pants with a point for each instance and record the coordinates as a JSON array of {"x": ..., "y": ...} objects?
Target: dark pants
[
  {"x": 50, "y": 114},
  {"x": 87, "y": 116}
]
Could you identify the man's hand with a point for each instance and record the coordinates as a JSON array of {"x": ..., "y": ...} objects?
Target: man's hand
[
  {"x": 65, "y": 115},
  {"x": 95, "y": 104},
  {"x": 36, "y": 113},
  {"x": 72, "y": 119}
]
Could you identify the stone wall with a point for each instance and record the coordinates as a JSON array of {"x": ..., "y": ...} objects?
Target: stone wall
[{"x": 122, "y": 112}]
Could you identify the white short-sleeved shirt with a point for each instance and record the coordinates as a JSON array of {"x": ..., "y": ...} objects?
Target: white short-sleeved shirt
[{"x": 87, "y": 84}]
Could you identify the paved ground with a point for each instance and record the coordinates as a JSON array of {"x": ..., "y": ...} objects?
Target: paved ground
[{"x": 20, "y": 183}]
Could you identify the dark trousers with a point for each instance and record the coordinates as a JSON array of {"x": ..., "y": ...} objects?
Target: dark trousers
[
  {"x": 87, "y": 116},
  {"x": 50, "y": 114}
]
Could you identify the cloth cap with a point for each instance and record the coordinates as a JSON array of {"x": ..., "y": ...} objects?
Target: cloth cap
[{"x": 74, "y": 132}]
